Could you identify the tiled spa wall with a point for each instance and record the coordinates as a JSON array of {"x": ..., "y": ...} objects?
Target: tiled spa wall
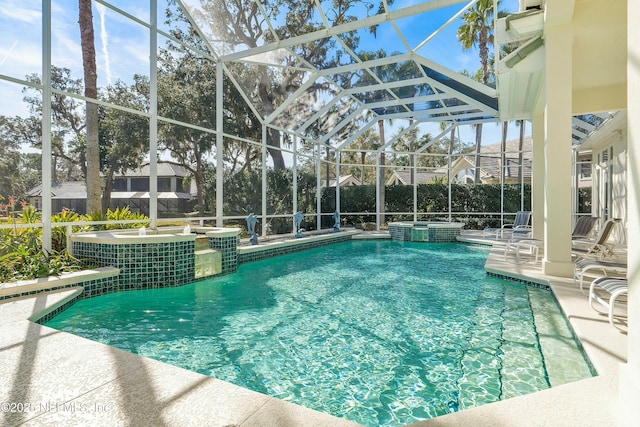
[
  {"x": 296, "y": 246},
  {"x": 143, "y": 265},
  {"x": 423, "y": 232},
  {"x": 228, "y": 245},
  {"x": 400, "y": 232}
]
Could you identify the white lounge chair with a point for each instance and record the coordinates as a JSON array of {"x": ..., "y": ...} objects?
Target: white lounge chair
[
  {"x": 520, "y": 226},
  {"x": 584, "y": 227},
  {"x": 598, "y": 248},
  {"x": 606, "y": 291},
  {"x": 527, "y": 246},
  {"x": 597, "y": 268}
]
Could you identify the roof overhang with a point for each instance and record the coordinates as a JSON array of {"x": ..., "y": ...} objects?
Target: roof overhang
[{"x": 598, "y": 56}]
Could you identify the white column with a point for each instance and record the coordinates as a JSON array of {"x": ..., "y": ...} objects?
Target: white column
[
  {"x": 153, "y": 120},
  {"x": 378, "y": 184},
  {"x": 630, "y": 373},
  {"x": 537, "y": 180},
  {"x": 295, "y": 179},
  {"x": 449, "y": 152},
  {"x": 338, "y": 161},
  {"x": 264, "y": 180},
  {"x": 414, "y": 171},
  {"x": 219, "y": 144},
  {"x": 46, "y": 126},
  {"x": 557, "y": 145},
  {"x": 318, "y": 187}
]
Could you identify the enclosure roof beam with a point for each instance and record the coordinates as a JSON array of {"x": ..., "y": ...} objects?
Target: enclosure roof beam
[
  {"x": 469, "y": 82},
  {"x": 388, "y": 85},
  {"x": 353, "y": 116},
  {"x": 406, "y": 101},
  {"x": 292, "y": 98},
  {"x": 434, "y": 140},
  {"x": 344, "y": 28},
  {"x": 360, "y": 131},
  {"x": 368, "y": 64},
  {"x": 427, "y": 115},
  {"x": 584, "y": 125},
  {"x": 398, "y": 136},
  {"x": 445, "y": 25}
]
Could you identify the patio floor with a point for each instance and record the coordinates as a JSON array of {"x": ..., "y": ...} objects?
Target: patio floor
[{"x": 55, "y": 378}]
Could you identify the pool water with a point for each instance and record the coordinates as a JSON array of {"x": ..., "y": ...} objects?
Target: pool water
[{"x": 378, "y": 332}]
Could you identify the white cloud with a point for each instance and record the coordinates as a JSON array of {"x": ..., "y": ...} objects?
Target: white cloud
[
  {"x": 104, "y": 38},
  {"x": 22, "y": 14}
]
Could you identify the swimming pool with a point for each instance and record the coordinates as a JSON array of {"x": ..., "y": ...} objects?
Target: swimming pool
[{"x": 378, "y": 332}]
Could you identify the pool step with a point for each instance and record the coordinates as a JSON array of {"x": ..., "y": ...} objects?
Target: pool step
[
  {"x": 480, "y": 381},
  {"x": 557, "y": 343},
  {"x": 523, "y": 369}
]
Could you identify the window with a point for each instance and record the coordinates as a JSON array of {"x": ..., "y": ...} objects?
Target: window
[
  {"x": 603, "y": 188},
  {"x": 120, "y": 184},
  {"x": 140, "y": 184},
  {"x": 164, "y": 184},
  {"x": 584, "y": 170}
]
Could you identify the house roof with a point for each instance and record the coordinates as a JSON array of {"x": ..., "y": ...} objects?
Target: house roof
[
  {"x": 62, "y": 190},
  {"x": 490, "y": 158},
  {"x": 165, "y": 169},
  {"x": 77, "y": 190},
  {"x": 405, "y": 177},
  {"x": 344, "y": 179}
]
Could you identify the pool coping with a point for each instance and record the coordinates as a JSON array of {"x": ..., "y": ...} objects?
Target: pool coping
[{"x": 165, "y": 393}]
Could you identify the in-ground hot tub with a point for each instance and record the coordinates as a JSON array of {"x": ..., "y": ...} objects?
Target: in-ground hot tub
[
  {"x": 169, "y": 256},
  {"x": 425, "y": 231}
]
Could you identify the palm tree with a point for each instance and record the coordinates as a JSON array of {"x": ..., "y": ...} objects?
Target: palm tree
[
  {"x": 92, "y": 178},
  {"x": 477, "y": 31}
]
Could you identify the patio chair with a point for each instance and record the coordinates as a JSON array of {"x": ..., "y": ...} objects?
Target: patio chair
[
  {"x": 520, "y": 226},
  {"x": 519, "y": 246},
  {"x": 584, "y": 227},
  {"x": 597, "y": 268},
  {"x": 599, "y": 248},
  {"x": 606, "y": 291}
]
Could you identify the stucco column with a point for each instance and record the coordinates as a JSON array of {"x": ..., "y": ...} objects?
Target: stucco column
[
  {"x": 557, "y": 152},
  {"x": 537, "y": 180},
  {"x": 630, "y": 373}
]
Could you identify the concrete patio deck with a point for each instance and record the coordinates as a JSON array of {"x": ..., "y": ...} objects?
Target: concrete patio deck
[{"x": 55, "y": 378}]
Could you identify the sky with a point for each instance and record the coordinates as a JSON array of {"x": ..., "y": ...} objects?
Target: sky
[{"x": 122, "y": 46}]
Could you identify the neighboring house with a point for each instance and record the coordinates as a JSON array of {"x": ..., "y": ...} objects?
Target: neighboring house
[
  {"x": 70, "y": 195},
  {"x": 403, "y": 177},
  {"x": 129, "y": 189},
  {"x": 463, "y": 169},
  {"x": 345, "y": 181}
]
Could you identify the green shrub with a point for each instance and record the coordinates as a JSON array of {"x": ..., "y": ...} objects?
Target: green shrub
[
  {"x": 21, "y": 252},
  {"x": 23, "y": 260},
  {"x": 432, "y": 198}
]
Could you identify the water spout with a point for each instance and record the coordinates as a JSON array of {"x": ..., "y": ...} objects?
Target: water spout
[
  {"x": 252, "y": 219},
  {"x": 298, "y": 217}
]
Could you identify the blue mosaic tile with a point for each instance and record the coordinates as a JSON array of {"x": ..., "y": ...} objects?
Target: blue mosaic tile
[
  {"x": 143, "y": 266},
  {"x": 274, "y": 252},
  {"x": 519, "y": 280},
  {"x": 229, "y": 248}
]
